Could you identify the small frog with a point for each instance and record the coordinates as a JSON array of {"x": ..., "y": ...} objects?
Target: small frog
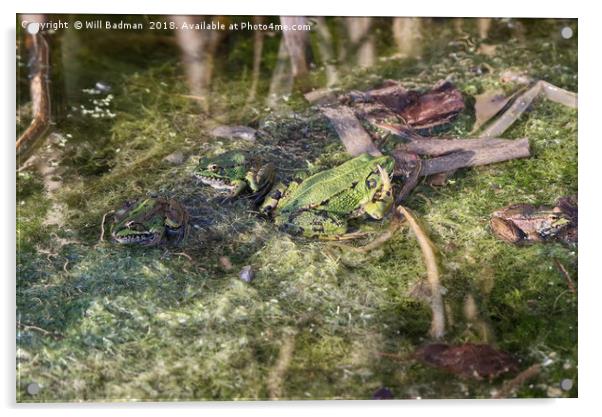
[
  {"x": 150, "y": 222},
  {"x": 322, "y": 204},
  {"x": 523, "y": 223},
  {"x": 230, "y": 172}
]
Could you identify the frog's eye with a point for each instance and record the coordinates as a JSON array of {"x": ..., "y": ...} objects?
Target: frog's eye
[
  {"x": 212, "y": 167},
  {"x": 371, "y": 183}
]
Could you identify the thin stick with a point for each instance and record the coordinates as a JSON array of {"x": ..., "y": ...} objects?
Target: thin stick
[
  {"x": 45, "y": 332},
  {"x": 567, "y": 277},
  {"x": 510, "y": 386},
  {"x": 432, "y": 270},
  {"x": 102, "y": 226},
  {"x": 184, "y": 254},
  {"x": 278, "y": 372}
]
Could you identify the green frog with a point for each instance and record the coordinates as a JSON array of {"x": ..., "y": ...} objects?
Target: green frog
[
  {"x": 150, "y": 221},
  {"x": 230, "y": 172},
  {"x": 322, "y": 204}
]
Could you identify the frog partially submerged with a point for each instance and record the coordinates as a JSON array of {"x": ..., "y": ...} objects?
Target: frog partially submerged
[
  {"x": 525, "y": 223},
  {"x": 150, "y": 221},
  {"x": 321, "y": 205},
  {"x": 231, "y": 172}
]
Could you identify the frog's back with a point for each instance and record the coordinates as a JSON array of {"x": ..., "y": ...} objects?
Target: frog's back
[{"x": 324, "y": 185}]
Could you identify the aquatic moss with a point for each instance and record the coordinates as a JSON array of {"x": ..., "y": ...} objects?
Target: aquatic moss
[{"x": 123, "y": 323}]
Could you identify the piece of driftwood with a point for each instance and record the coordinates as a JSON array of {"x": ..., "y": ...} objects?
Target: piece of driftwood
[
  {"x": 437, "y": 147},
  {"x": 520, "y": 104},
  {"x": 40, "y": 97},
  {"x": 354, "y": 137},
  {"x": 462, "y": 153}
]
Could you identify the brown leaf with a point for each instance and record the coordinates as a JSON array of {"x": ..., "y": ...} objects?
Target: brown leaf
[
  {"x": 488, "y": 105},
  {"x": 434, "y": 108},
  {"x": 413, "y": 109},
  {"x": 469, "y": 360}
]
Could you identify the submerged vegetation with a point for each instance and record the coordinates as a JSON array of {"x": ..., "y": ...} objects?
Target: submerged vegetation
[{"x": 103, "y": 322}]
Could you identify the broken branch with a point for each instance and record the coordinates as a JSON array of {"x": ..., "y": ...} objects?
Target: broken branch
[
  {"x": 354, "y": 137},
  {"x": 465, "y": 154},
  {"x": 432, "y": 270},
  {"x": 40, "y": 97}
]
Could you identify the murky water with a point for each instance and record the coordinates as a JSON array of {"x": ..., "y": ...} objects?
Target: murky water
[{"x": 132, "y": 111}]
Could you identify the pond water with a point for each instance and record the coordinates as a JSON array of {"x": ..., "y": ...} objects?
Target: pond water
[{"x": 133, "y": 110}]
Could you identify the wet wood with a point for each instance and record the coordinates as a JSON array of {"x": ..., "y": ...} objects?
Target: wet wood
[
  {"x": 354, "y": 137},
  {"x": 512, "y": 385},
  {"x": 468, "y": 360},
  {"x": 464, "y": 155},
  {"x": 484, "y": 156},
  {"x": 40, "y": 97},
  {"x": 437, "y": 147},
  {"x": 524, "y": 100}
]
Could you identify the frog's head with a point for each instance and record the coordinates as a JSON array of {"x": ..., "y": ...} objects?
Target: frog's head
[
  {"x": 382, "y": 199},
  {"x": 223, "y": 171}
]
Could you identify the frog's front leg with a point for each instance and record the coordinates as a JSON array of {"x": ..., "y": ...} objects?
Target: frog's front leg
[{"x": 313, "y": 223}]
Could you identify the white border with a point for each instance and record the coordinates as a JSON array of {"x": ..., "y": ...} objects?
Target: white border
[{"x": 590, "y": 138}]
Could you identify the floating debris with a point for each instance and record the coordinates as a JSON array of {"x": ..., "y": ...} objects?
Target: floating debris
[
  {"x": 247, "y": 274},
  {"x": 478, "y": 361},
  {"x": 175, "y": 158},
  {"x": 225, "y": 263},
  {"x": 234, "y": 132},
  {"x": 382, "y": 393},
  {"x": 392, "y": 103},
  {"x": 103, "y": 87}
]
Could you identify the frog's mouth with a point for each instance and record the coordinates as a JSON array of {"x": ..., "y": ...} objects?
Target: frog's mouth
[
  {"x": 216, "y": 182},
  {"x": 143, "y": 238}
]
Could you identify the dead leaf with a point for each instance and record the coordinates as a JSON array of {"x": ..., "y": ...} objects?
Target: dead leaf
[
  {"x": 393, "y": 104},
  {"x": 488, "y": 105},
  {"x": 469, "y": 360}
]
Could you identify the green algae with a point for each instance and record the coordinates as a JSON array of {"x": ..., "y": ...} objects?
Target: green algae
[{"x": 142, "y": 324}]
